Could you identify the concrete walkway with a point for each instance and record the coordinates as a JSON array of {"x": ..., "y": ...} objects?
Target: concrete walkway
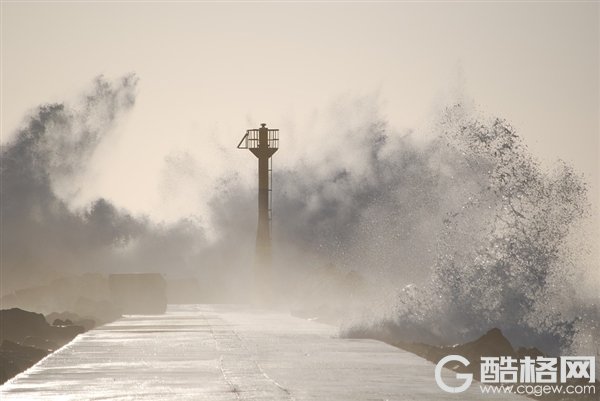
[{"x": 209, "y": 352}]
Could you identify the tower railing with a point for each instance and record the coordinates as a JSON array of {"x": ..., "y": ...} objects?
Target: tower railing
[{"x": 251, "y": 139}]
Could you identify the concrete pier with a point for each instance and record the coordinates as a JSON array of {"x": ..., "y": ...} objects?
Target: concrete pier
[{"x": 216, "y": 352}]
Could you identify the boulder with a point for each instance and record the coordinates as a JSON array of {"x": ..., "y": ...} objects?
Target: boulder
[
  {"x": 491, "y": 344},
  {"x": 70, "y": 318},
  {"x": 27, "y": 337},
  {"x": 18, "y": 324},
  {"x": 15, "y": 358}
]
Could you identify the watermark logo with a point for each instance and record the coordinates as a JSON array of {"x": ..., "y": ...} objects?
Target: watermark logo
[
  {"x": 468, "y": 378},
  {"x": 526, "y": 375},
  {"x": 506, "y": 369}
]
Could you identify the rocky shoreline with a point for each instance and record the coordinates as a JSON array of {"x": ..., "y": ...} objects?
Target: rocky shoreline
[
  {"x": 27, "y": 337},
  {"x": 491, "y": 344}
]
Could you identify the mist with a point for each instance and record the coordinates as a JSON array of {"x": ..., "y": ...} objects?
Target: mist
[{"x": 367, "y": 217}]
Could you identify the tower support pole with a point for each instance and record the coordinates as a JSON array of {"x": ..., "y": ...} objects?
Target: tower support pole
[{"x": 263, "y": 234}]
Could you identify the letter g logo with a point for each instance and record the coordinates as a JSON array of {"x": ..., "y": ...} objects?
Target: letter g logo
[{"x": 466, "y": 376}]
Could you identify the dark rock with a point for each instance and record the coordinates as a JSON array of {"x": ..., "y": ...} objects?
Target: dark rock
[
  {"x": 60, "y": 322},
  {"x": 530, "y": 352},
  {"x": 491, "y": 344},
  {"x": 15, "y": 358},
  {"x": 40, "y": 343},
  {"x": 8, "y": 368},
  {"x": 64, "y": 334},
  {"x": 72, "y": 318},
  {"x": 13, "y": 347},
  {"x": 27, "y": 337},
  {"x": 18, "y": 324}
]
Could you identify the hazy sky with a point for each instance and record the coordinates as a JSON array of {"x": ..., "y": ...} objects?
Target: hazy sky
[{"x": 208, "y": 71}]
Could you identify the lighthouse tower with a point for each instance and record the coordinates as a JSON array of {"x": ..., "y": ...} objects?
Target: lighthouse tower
[{"x": 263, "y": 143}]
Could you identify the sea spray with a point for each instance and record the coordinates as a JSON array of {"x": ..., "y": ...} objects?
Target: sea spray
[
  {"x": 504, "y": 257},
  {"x": 467, "y": 216}
]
